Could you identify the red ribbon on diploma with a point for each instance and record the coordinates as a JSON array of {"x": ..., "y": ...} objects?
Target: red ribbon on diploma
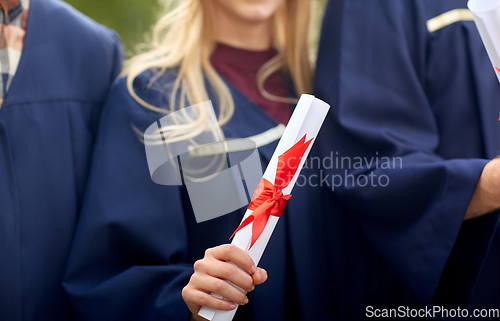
[{"x": 268, "y": 199}]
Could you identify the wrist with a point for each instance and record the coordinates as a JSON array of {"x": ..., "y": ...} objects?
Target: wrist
[
  {"x": 486, "y": 198},
  {"x": 493, "y": 193}
]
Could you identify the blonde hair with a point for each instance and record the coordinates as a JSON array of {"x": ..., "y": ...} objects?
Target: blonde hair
[{"x": 183, "y": 40}]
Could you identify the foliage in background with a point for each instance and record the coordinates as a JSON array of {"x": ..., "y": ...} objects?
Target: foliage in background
[
  {"x": 318, "y": 8},
  {"x": 131, "y": 19}
]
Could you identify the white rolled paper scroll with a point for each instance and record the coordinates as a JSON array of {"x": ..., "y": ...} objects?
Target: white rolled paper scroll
[{"x": 306, "y": 121}]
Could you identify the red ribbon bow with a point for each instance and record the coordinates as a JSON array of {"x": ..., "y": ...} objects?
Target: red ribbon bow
[{"x": 268, "y": 199}]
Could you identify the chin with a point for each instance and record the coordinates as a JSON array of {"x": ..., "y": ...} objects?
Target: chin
[
  {"x": 256, "y": 18},
  {"x": 253, "y": 11},
  {"x": 256, "y": 15}
]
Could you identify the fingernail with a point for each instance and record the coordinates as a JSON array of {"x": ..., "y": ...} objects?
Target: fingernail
[
  {"x": 253, "y": 288},
  {"x": 232, "y": 306},
  {"x": 246, "y": 300},
  {"x": 253, "y": 269}
]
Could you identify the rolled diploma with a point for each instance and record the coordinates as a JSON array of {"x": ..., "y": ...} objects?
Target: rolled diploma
[
  {"x": 487, "y": 18},
  {"x": 306, "y": 119}
]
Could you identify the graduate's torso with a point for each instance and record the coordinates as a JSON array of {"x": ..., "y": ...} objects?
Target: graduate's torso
[
  {"x": 294, "y": 257},
  {"x": 466, "y": 119},
  {"x": 45, "y": 151},
  {"x": 48, "y": 125}
]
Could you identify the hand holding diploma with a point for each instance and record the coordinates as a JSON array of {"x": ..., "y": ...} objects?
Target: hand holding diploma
[
  {"x": 260, "y": 219},
  {"x": 209, "y": 274}
]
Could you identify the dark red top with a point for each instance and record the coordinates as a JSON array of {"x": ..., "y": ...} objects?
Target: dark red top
[{"x": 240, "y": 67}]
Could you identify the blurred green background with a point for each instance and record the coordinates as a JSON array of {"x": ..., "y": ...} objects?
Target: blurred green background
[{"x": 131, "y": 19}]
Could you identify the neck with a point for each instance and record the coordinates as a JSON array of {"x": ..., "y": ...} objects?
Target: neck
[{"x": 247, "y": 35}]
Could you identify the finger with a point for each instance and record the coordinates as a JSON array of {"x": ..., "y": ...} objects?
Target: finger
[
  {"x": 204, "y": 299},
  {"x": 227, "y": 271},
  {"x": 260, "y": 276},
  {"x": 209, "y": 284},
  {"x": 229, "y": 252}
]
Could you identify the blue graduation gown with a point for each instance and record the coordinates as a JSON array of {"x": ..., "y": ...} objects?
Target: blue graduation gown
[
  {"x": 430, "y": 98},
  {"x": 137, "y": 241},
  {"x": 48, "y": 125}
]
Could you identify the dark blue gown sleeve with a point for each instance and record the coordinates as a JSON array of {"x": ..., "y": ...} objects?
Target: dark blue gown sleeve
[
  {"x": 128, "y": 257},
  {"x": 403, "y": 96}
]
